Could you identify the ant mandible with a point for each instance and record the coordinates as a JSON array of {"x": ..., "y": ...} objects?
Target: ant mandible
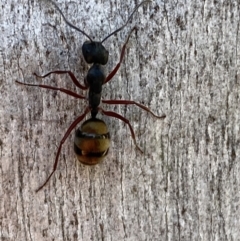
[{"x": 92, "y": 139}]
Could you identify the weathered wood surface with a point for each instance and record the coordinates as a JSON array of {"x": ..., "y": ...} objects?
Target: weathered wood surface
[{"x": 183, "y": 61}]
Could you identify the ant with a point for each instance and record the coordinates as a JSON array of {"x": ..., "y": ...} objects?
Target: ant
[{"x": 92, "y": 139}]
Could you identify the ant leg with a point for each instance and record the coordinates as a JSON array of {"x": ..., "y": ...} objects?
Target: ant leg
[
  {"x": 116, "y": 115},
  {"x": 73, "y": 78},
  {"x": 68, "y": 92},
  {"x": 130, "y": 102},
  {"x": 61, "y": 143},
  {"x": 114, "y": 71}
]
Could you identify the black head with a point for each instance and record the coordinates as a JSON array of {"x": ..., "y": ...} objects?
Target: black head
[{"x": 95, "y": 52}]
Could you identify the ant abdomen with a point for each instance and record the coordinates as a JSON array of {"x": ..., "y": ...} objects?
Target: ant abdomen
[{"x": 92, "y": 141}]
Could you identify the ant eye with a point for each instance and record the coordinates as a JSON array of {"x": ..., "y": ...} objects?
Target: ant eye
[{"x": 87, "y": 52}]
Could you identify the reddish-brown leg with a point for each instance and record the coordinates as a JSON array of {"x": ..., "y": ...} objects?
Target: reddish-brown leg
[
  {"x": 130, "y": 102},
  {"x": 120, "y": 117},
  {"x": 114, "y": 71},
  {"x": 72, "y": 126},
  {"x": 73, "y": 78},
  {"x": 68, "y": 92}
]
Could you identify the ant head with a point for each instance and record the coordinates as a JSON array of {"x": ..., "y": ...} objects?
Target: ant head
[{"x": 95, "y": 52}]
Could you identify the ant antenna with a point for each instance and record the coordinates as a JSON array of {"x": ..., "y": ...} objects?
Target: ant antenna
[
  {"x": 68, "y": 23},
  {"x": 119, "y": 29},
  {"x": 81, "y": 31}
]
